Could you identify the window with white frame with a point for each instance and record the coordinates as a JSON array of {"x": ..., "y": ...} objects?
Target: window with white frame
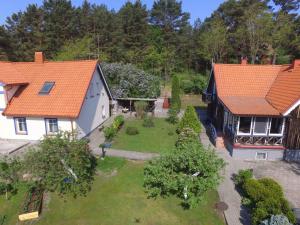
[
  {"x": 261, "y": 156},
  {"x": 245, "y": 125},
  {"x": 276, "y": 126},
  {"x": 20, "y": 125},
  {"x": 261, "y": 125},
  {"x": 51, "y": 126}
]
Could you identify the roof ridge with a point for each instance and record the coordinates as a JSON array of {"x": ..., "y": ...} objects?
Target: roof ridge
[
  {"x": 249, "y": 65},
  {"x": 66, "y": 61}
]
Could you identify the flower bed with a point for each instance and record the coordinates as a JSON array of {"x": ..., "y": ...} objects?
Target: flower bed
[{"x": 32, "y": 204}]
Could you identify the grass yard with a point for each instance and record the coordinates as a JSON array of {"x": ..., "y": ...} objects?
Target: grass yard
[
  {"x": 118, "y": 198},
  {"x": 160, "y": 138},
  {"x": 194, "y": 100},
  {"x": 10, "y": 208}
]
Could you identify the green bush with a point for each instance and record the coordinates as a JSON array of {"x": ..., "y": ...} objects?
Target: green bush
[
  {"x": 190, "y": 120},
  {"x": 148, "y": 122},
  {"x": 172, "y": 115},
  {"x": 132, "y": 131},
  {"x": 187, "y": 136},
  {"x": 118, "y": 122},
  {"x": 187, "y": 86},
  {"x": 242, "y": 176},
  {"x": 267, "y": 199},
  {"x": 140, "y": 108},
  {"x": 109, "y": 133}
]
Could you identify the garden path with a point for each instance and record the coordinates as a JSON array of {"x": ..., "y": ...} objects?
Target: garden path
[{"x": 97, "y": 137}]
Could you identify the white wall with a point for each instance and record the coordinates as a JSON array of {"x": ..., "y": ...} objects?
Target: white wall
[
  {"x": 92, "y": 114},
  {"x": 2, "y": 99},
  {"x": 35, "y": 128}
]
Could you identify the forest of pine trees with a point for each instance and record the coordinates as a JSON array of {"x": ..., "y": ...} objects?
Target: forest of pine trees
[{"x": 160, "y": 40}]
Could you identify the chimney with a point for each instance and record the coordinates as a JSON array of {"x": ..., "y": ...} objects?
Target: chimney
[
  {"x": 38, "y": 57},
  {"x": 296, "y": 63},
  {"x": 244, "y": 61}
]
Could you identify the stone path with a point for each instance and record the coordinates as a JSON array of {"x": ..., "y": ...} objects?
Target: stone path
[
  {"x": 286, "y": 174},
  {"x": 126, "y": 154}
]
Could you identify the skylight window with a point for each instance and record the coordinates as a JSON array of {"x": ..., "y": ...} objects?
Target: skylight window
[{"x": 46, "y": 88}]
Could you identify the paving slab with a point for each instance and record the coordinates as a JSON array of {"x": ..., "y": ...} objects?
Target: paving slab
[{"x": 9, "y": 146}]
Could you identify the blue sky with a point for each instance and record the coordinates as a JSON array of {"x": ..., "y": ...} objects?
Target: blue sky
[{"x": 197, "y": 8}]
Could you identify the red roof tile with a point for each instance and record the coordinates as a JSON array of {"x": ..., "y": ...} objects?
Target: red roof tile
[
  {"x": 71, "y": 79},
  {"x": 285, "y": 91},
  {"x": 243, "y": 88}
]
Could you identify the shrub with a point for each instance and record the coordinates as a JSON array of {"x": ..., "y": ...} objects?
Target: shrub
[
  {"x": 276, "y": 220},
  {"x": 172, "y": 115},
  {"x": 109, "y": 133},
  {"x": 187, "y": 86},
  {"x": 148, "y": 122},
  {"x": 118, "y": 122},
  {"x": 140, "y": 108},
  {"x": 132, "y": 131},
  {"x": 242, "y": 176},
  {"x": 186, "y": 136},
  {"x": 190, "y": 120},
  {"x": 267, "y": 199}
]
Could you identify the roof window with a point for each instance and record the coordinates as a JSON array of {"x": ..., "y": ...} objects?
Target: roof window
[{"x": 46, "y": 88}]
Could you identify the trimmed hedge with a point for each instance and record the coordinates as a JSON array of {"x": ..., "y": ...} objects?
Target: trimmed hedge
[{"x": 190, "y": 120}]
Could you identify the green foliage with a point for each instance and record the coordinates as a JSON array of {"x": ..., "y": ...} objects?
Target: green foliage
[
  {"x": 9, "y": 175},
  {"x": 132, "y": 131},
  {"x": 267, "y": 199},
  {"x": 276, "y": 220},
  {"x": 109, "y": 133},
  {"x": 74, "y": 50},
  {"x": 62, "y": 164},
  {"x": 118, "y": 122},
  {"x": 148, "y": 121},
  {"x": 243, "y": 176},
  {"x": 175, "y": 95},
  {"x": 126, "y": 80},
  {"x": 173, "y": 115},
  {"x": 190, "y": 120},
  {"x": 108, "y": 164},
  {"x": 140, "y": 108},
  {"x": 186, "y": 136},
  {"x": 188, "y": 173}
]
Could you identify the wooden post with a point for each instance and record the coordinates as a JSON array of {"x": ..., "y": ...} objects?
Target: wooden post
[{"x": 130, "y": 106}]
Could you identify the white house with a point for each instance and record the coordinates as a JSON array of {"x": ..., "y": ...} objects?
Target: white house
[{"x": 40, "y": 98}]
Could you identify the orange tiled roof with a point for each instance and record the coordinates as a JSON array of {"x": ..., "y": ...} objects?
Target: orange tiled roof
[
  {"x": 245, "y": 89},
  {"x": 9, "y": 75},
  {"x": 71, "y": 79},
  {"x": 286, "y": 89}
]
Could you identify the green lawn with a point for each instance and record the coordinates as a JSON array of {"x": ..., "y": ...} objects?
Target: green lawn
[
  {"x": 117, "y": 197},
  {"x": 160, "y": 138},
  {"x": 194, "y": 100},
  {"x": 11, "y": 208}
]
